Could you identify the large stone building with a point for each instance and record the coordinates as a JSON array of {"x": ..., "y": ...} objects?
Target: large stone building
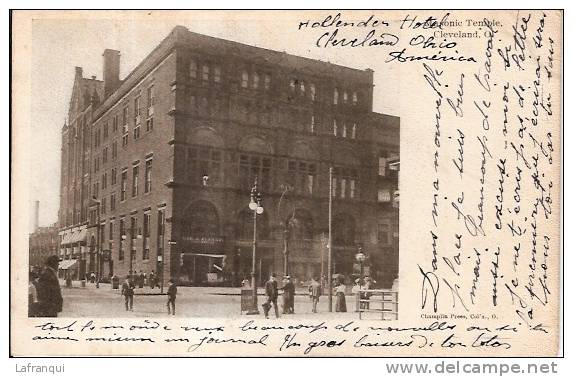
[
  {"x": 43, "y": 242},
  {"x": 164, "y": 161}
]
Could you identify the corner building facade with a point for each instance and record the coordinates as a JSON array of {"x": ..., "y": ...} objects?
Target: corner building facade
[{"x": 177, "y": 145}]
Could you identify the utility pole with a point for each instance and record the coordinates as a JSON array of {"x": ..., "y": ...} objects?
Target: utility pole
[{"x": 330, "y": 240}]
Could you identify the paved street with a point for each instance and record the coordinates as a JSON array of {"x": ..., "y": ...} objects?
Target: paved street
[{"x": 191, "y": 302}]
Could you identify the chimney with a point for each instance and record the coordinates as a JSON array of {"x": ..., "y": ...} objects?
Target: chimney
[
  {"x": 36, "y": 215},
  {"x": 110, "y": 71},
  {"x": 79, "y": 72}
]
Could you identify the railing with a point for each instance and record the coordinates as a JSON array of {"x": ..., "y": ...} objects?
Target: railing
[{"x": 380, "y": 301}]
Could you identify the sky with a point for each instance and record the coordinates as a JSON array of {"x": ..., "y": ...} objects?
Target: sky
[{"x": 58, "y": 45}]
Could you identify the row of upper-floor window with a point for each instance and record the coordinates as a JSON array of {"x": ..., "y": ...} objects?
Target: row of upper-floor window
[{"x": 261, "y": 79}]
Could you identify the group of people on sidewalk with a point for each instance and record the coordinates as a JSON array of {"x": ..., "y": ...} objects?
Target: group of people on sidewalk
[
  {"x": 314, "y": 291},
  {"x": 128, "y": 291}
]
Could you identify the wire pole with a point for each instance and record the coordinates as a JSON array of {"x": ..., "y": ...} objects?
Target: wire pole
[{"x": 330, "y": 240}]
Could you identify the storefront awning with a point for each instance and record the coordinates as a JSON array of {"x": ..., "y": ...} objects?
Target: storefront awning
[
  {"x": 205, "y": 255},
  {"x": 75, "y": 237},
  {"x": 66, "y": 264}
]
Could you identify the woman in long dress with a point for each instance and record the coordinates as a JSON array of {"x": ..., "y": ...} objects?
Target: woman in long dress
[{"x": 340, "y": 297}]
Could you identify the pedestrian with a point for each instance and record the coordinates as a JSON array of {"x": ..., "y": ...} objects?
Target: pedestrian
[
  {"x": 92, "y": 277},
  {"x": 366, "y": 295},
  {"x": 340, "y": 290},
  {"x": 50, "y": 299},
  {"x": 272, "y": 292},
  {"x": 32, "y": 295},
  {"x": 141, "y": 279},
  {"x": 152, "y": 279},
  {"x": 171, "y": 296},
  {"x": 127, "y": 291},
  {"x": 315, "y": 290},
  {"x": 288, "y": 296}
]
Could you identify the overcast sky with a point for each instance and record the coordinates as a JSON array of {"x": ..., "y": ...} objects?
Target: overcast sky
[{"x": 59, "y": 45}]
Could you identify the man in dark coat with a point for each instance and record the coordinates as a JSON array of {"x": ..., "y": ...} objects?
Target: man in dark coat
[
  {"x": 50, "y": 299},
  {"x": 171, "y": 296},
  {"x": 272, "y": 292},
  {"x": 288, "y": 296},
  {"x": 127, "y": 291}
]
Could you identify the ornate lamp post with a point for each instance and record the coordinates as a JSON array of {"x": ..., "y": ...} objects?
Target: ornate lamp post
[{"x": 255, "y": 205}]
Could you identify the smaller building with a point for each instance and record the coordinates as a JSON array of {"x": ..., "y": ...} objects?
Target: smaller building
[{"x": 44, "y": 242}]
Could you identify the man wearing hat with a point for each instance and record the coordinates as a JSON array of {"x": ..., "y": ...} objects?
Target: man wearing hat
[
  {"x": 50, "y": 299},
  {"x": 272, "y": 292}
]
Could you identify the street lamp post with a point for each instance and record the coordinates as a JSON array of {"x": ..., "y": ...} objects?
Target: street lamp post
[
  {"x": 97, "y": 203},
  {"x": 255, "y": 205},
  {"x": 285, "y": 188}
]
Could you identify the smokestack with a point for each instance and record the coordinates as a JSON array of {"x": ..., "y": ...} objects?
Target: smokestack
[
  {"x": 36, "y": 215},
  {"x": 110, "y": 71}
]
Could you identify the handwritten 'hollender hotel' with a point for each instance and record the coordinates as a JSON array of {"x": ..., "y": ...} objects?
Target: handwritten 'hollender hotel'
[{"x": 164, "y": 161}]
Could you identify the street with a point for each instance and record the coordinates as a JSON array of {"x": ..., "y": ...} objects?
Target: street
[{"x": 205, "y": 302}]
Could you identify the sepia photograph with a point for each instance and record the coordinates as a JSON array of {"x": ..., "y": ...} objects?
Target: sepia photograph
[
  {"x": 227, "y": 183},
  {"x": 223, "y": 177}
]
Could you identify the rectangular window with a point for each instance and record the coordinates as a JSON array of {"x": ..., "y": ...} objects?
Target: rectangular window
[
  {"x": 334, "y": 184},
  {"x": 137, "y": 110},
  {"x": 204, "y": 166},
  {"x": 312, "y": 92},
  {"x": 135, "y": 181},
  {"x": 344, "y": 130},
  {"x": 312, "y": 124},
  {"x": 104, "y": 155},
  {"x": 205, "y": 72},
  {"x": 384, "y": 196},
  {"x": 345, "y": 96},
  {"x": 150, "y": 100},
  {"x": 352, "y": 189},
  {"x": 343, "y": 188},
  {"x": 123, "y": 185},
  {"x": 113, "y": 176},
  {"x": 382, "y": 166},
  {"x": 104, "y": 181},
  {"x": 353, "y": 135},
  {"x": 245, "y": 79},
  {"x": 335, "y": 98},
  {"x": 146, "y": 225},
  {"x": 354, "y": 98},
  {"x": 302, "y": 89},
  {"x": 103, "y": 205},
  {"x": 115, "y": 123},
  {"x": 136, "y": 132},
  {"x": 251, "y": 166},
  {"x": 148, "y": 166},
  {"x": 193, "y": 69},
  {"x": 112, "y": 202},
  {"x": 114, "y": 150},
  {"x": 217, "y": 74},
  {"x": 160, "y": 230},
  {"x": 149, "y": 124},
  {"x": 267, "y": 82},
  {"x": 334, "y": 128},
  {"x": 255, "y": 80},
  {"x": 125, "y": 120},
  {"x": 110, "y": 231},
  {"x": 106, "y": 130}
]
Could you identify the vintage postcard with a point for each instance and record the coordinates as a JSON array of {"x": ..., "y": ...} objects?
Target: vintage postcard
[{"x": 286, "y": 183}]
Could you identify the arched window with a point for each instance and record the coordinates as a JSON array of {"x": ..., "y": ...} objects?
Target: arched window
[
  {"x": 343, "y": 230},
  {"x": 245, "y": 225},
  {"x": 201, "y": 220},
  {"x": 300, "y": 225},
  {"x": 255, "y": 161}
]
